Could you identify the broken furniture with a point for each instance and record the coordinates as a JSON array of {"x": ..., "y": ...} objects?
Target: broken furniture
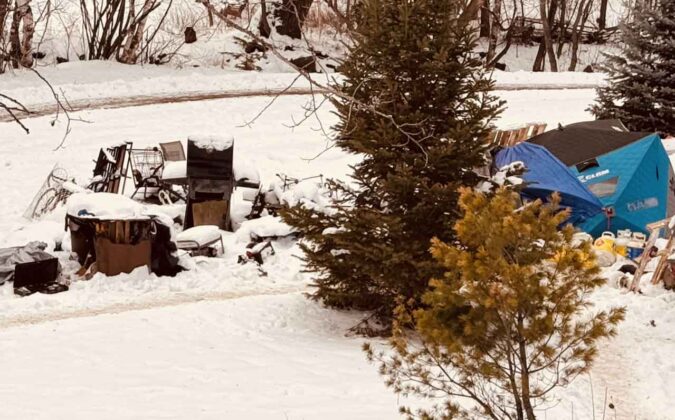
[
  {"x": 175, "y": 167},
  {"x": 108, "y": 171},
  {"x": 210, "y": 181},
  {"x": 110, "y": 168},
  {"x": 201, "y": 240},
  {"x": 173, "y": 151}
]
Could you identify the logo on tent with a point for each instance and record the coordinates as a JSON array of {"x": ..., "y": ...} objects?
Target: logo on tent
[
  {"x": 584, "y": 178},
  {"x": 647, "y": 203}
]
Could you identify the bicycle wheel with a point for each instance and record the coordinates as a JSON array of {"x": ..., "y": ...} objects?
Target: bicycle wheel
[
  {"x": 46, "y": 203},
  {"x": 57, "y": 177}
]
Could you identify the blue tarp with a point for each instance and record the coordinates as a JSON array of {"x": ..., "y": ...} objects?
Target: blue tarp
[{"x": 546, "y": 175}]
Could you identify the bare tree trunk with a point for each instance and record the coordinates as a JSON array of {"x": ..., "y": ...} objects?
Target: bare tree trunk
[
  {"x": 21, "y": 45},
  {"x": 546, "y": 19},
  {"x": 264, "y": 25},
  {"x": 291, "y": 16},
  {"x": 4, "y": 9},
  {"x": 579, "y": 23},
  {"x": 563, "y": 25},
  {"x": 485, "y": 19},
  {"x": 524, "y": 375},
  {"x": 495, "y": 29},
  {"x": 539, "y": 59},
  {"x": 602, "y": 19},
  {"x": 129, "y": 53}
]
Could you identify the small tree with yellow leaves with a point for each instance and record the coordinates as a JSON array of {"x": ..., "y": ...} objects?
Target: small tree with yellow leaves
[{"x": 510, "y": 319}]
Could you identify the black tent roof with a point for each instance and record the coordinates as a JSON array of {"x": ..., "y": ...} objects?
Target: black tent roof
[{"x": 579, "y": 142}]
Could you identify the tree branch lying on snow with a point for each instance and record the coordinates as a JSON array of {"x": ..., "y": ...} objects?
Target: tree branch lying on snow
[{"x": 12, "y": 107}]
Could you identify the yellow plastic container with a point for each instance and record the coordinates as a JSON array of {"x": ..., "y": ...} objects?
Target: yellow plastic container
[{"x": 605, "y": 242}]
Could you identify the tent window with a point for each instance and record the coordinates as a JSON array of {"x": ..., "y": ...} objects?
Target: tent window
[
  {"x": 604, "y": 188},
  {"x": 587, "y": 164}
]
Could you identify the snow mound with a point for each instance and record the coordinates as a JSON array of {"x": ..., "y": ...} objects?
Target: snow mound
[
  {"x": 105, "y": 206},
  {"x": 265, "y": 226},
  {"x": 199, "y": 234}
]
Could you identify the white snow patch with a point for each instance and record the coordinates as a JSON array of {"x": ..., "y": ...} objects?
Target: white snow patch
[{"x": 212, "y": 142}]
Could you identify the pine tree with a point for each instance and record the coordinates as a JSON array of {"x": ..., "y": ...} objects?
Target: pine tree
[
  {"x": 641, "y": 87},
  {"x": 421, "y": 109},
  {"x": 508, "y": 321}
]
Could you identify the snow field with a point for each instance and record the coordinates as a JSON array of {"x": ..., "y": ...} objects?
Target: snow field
[
  {"x": 263, "y": 357},
  {"x": 277, "y": 356}
]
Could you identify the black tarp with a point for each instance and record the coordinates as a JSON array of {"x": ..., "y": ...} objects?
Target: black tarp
[{"x": 579, "y": 142}]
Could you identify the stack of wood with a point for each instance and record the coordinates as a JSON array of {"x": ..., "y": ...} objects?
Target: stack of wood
[{"x": 506, "y": 138}]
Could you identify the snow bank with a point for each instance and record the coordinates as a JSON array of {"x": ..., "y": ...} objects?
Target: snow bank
[
  {"x": 561, "y": 80},
  {"x": 94, "y": 81}
]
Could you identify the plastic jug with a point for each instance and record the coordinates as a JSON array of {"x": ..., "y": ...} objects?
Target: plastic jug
[{"x": 605, "y": 242}]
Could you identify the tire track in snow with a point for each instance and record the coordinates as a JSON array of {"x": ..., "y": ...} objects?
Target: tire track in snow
[
  {"x": 11, "y": 321},
  {"x": 41, "y": 110}
]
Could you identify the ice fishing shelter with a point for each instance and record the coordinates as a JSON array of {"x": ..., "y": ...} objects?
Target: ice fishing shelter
[
  {"x": 545, "y": 175},
  {"x": 628, "y": 172}
]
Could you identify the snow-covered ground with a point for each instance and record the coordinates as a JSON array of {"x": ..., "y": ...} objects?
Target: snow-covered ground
[
  {"x": 139, "y": 346},
  {"x": 96, "y": 81},
  {"x": 261, "y": 357}
]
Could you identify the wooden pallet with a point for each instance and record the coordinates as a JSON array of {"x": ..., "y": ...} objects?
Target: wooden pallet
[{"x": 507, "y": 138}]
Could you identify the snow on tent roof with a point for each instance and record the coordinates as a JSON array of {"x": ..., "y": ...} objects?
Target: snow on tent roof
[
  {"x": 576, "y": 143},
  {"x": 212, "y": 142}
]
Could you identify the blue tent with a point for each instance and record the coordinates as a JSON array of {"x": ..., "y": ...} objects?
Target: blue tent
[
  {"x": 545, "y": 175},
  {"x": 628, "y": 172}
]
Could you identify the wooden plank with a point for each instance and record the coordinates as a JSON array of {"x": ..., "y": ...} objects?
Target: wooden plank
[
  {"x": 654, "y": 229},
  {"x": 211, "y": 213},
  {"x": 664, "y": 254}
]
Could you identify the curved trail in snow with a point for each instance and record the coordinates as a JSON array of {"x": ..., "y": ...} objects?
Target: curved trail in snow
[
  {"x": 44, "y": 109},
  {"x": 139, "y": 305}
]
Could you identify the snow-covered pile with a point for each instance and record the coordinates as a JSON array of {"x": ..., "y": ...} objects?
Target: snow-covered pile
[
  {"x": 105, "y": 206},
  {"x": 212, "y": 142}
]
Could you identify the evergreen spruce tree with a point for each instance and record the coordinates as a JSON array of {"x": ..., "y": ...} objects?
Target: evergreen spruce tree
[
  {"x": 508, "y": 322},
  {"x": 641, "y": 88},
  {"x": 420, "y": 112}
]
